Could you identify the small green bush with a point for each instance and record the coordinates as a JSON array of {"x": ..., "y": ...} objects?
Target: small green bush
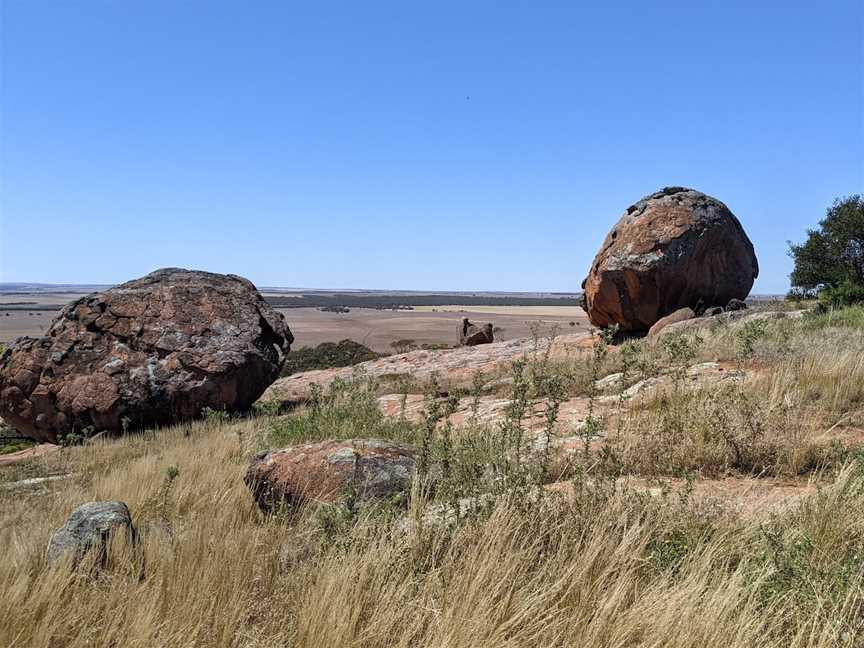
[
  {"x": 15, "y": 445},
  {"x": 348, "y": 409},
  {"x": 846, "y": 294}
]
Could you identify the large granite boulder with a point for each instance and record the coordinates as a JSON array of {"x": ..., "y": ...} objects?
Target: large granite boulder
[
  {"x": 330, "y": 472},
  {"x": 152, "y": 351},
  {"x": 89, "y": 528},
  {"x": 676, "y": 248}
]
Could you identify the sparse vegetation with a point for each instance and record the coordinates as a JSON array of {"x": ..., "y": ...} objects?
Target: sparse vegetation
[
  {"x": 10, "y": 445},
  {"x": 504, "y": 542}
]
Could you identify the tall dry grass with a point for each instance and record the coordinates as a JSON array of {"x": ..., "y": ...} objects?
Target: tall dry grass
[
  {"x": 803, "y": 384},
  {"x": 605, "y": 566}
]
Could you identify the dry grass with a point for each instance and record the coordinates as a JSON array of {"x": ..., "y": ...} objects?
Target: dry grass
[
  {"x": 604, "y": 569},
  {"x": 803, "y": 384},
  {"x": 607, "y": 566}
]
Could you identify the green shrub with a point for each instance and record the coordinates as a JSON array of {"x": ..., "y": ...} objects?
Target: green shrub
[
  {"x": 846, "y": 294},
  {"x": 15, "y": 445},
  {"x": 328, "y": 355}
]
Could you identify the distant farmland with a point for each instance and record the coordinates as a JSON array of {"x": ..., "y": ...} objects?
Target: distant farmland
[{"x": 387, "y": 301}]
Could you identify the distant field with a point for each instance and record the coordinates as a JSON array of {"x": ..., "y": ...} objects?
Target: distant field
[
  {"x": 377, "y": 328},
  {"x": 37, "y": 300},
  {"x": 521, "y": 311},
  {"x": 384, "y": 300}
]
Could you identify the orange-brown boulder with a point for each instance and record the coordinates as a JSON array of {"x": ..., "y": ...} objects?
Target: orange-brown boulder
[
  {"x": 152, "y": 351},
  {"x": 330, "y": 472},
  {"x": 671, "y": 250}
]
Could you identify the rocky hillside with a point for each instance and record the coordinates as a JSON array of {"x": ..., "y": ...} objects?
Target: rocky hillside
[{"x": 699, "y": 487}]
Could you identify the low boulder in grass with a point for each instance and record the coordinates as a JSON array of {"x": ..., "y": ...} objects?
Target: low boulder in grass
[
  {"x": 330, "y": 472},
  {"x": 90, "y": 528}
]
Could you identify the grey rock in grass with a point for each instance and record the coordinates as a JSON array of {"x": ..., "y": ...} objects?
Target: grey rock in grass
[{"x": 89, "y": 528}]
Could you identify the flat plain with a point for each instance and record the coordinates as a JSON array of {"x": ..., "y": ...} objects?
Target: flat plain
[{"x": 31, "y": 314}]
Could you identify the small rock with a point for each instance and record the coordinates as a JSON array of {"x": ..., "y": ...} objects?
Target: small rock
[
  {"x": 642, "y": 386},
  {"x": 89, "y": 527},
  {"x": 680, "y": 315},
  {"x": 714, "y": 310},
  {"x": 329, "y": 472},
  {"x": 736, "y": 304},
  {"x": 609, "y": 382}
]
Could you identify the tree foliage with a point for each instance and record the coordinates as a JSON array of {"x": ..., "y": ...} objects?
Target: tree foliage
[{"x": 831, "y": 260}]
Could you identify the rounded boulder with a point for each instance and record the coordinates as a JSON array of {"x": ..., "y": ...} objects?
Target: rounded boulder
[
  {"x": 676, "y": 248},
  {"x": 153, "y": 351}
]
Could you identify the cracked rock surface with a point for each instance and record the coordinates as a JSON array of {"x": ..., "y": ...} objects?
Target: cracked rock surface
[
  {"x": 152, "y": 351},
  {"x": 676, "y": 248}
]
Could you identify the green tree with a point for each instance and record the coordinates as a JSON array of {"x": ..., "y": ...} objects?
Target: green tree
[{"x": 830, "y": 263}]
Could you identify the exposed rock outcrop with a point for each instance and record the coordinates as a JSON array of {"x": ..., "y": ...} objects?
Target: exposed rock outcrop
[
  {"x": 90, "y": 527},
  {"x": 736, "y": 304},
  {"x": 680, "y": 315},
  {"x": 673, "y": 249},
  {"x": 732, "y": 318},
  {"x": 329, "y": 472},
  {"x": 152, "y": 351},
  {"x": 457, "y": 367}
]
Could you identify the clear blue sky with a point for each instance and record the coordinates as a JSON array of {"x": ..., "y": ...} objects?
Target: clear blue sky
[{"x": 323, "y": 144}]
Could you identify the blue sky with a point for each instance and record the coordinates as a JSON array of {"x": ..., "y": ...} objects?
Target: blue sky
[{"x": 323, "y": 144}]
